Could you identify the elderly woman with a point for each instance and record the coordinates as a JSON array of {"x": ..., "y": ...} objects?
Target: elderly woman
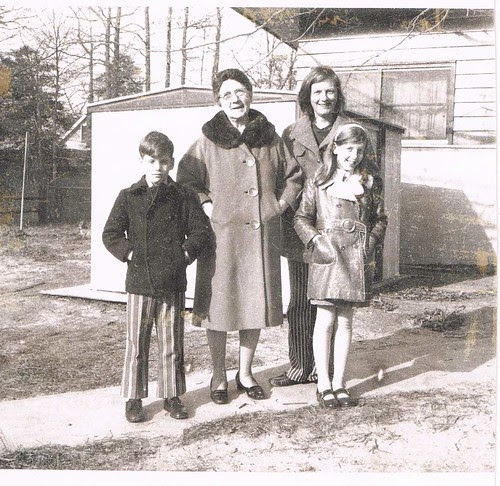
[
  {"x": 321, "y": 102},
  {"x": 244, "y": 182}
]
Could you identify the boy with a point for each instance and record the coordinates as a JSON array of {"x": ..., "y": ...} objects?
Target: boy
[{"x": 158, "y": 227}]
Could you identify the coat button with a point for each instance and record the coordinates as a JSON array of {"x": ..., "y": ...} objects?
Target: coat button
[
  {"x": 253, "y": 191},
  {"x": 254, "y": 224},
  {"x": 342, "y": 248},
  {"x": 250, "y": 162},
  {"x": 339, "y": 205}
]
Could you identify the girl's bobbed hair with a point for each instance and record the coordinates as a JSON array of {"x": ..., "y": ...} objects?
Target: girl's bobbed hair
[
  {"x": 316, "y": 75},
  {"x": 232, "y": 73},
  {"x": 348, "y": 133}
]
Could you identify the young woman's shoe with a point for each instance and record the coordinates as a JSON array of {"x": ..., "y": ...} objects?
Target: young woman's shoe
[
  {"x": 220, "y": 397},
  {"x": 345, "y": 401},
  {"x": 256, "y": 392},
  {"x": 327, "y": 399}
]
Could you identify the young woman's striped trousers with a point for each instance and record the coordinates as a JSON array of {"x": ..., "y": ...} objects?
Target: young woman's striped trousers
[{"x": 301, "y": 316}]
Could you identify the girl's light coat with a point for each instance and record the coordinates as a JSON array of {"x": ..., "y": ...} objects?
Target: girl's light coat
[{"x": 342, "y": 259}]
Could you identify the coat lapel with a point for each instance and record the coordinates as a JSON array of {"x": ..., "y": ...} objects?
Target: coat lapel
[{"x": 302, "y": 133}]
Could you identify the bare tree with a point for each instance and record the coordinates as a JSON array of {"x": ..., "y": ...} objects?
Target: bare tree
[
  {"x": 85, "y": 39},
  {"x": 107, "y": 50},
  {"x": 13, "y": 20},
  {"x": 184, "y": 45},
  {"x": 168, "y": 48},
  {"x": 116, "y": 52},
  {"x": 147, "y": 48},
  {"x": 55, "y": 39},
  {"x": 215, "y": 67}
]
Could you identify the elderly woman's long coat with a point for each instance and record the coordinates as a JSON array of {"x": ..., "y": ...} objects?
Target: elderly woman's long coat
[{"x": 244, "y": 176}]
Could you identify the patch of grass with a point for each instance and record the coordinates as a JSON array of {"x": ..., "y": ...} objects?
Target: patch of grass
[
  {"x": 123, "y": 454},
  {"x": 81, "y": 349},
  {"x": 309, "y": 429},
  {"x": 428, "y": 293},
  {"x": 321, "y": 423},
  {"x": 439, "y": 320}
]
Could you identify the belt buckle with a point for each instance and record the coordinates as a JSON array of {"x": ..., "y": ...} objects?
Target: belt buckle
[{"x": 348, "y": 225}]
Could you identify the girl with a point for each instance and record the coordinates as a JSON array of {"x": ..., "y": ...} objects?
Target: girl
[{"x": 341, "y": 222}]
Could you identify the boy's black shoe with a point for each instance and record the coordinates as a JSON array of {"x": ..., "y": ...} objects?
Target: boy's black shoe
[
  {"x": 133, "y": 410},
  {"x": 175, "y": 407}
]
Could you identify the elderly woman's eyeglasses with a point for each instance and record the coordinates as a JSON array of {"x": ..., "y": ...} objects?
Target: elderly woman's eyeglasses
[{"x": 239, "y": 93}]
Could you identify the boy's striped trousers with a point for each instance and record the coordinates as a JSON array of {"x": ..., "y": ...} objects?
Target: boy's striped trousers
[{"x": 167, "y": 314}]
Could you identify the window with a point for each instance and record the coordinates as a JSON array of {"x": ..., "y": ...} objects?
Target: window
[{"x": 418, "y": 99}]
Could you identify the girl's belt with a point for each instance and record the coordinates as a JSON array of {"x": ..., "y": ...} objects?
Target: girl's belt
[{"x": 348, "y": 225}]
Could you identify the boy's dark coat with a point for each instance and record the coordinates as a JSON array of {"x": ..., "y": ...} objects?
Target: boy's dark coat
[{"x": 158, "y": 231}]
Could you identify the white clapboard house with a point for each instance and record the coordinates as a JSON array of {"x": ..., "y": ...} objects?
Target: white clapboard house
[{"x": 432, "y": 72}]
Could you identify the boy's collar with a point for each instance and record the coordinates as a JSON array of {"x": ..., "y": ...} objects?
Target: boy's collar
[{"x": 142, "y": 184}]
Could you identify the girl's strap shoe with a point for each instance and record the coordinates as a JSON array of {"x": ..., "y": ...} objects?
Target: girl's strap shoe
[
  {"x": 346, "y": 401},
  {"x": 327, "y": 399}
]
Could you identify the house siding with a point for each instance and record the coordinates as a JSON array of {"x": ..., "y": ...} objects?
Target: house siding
[
  {"x": 448, "y": 211},
  {"x": 472, "y": 53}
]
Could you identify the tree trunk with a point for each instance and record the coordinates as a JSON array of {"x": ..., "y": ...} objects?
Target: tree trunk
[
  {"x": 184, "y": 45},
  {"x": 115, "y": 83},
  {"x": 147, "y": 46},
  {"x": 57, "y": 87},
  {"x": 168, "y": 48},
  {"x": 203, "y": 55},
  {"x": 90, "y": 51},
  {"x": 215, "y": 68},
  {"x": 290, "y": 78},
  {"x": 107, "y": 53}
]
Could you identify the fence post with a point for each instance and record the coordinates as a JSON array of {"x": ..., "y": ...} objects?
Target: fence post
[{"x": 24, "y": 180}]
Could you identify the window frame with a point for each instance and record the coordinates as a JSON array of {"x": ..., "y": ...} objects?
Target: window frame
[{"x": 380, "y": 70}]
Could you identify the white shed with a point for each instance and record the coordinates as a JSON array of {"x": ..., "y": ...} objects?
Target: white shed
[{"x": 119, "y": 124}]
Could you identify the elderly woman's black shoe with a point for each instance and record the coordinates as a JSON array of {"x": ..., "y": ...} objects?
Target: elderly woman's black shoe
[
  {"x": 256, "y": 392},
  {"x": 220, "y": 397}
]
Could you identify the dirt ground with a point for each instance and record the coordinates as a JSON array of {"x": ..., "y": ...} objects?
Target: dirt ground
[{"x": 440, "y": 323}]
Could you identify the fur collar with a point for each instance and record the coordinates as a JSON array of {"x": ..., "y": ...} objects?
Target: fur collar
[{"x": 258, "y": 133}]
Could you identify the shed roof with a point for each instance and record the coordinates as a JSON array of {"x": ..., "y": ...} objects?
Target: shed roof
[{"x": 182, "y": 96}]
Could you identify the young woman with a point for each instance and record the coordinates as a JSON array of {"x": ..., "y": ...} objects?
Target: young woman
[{"x": 321, "y": 102}]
